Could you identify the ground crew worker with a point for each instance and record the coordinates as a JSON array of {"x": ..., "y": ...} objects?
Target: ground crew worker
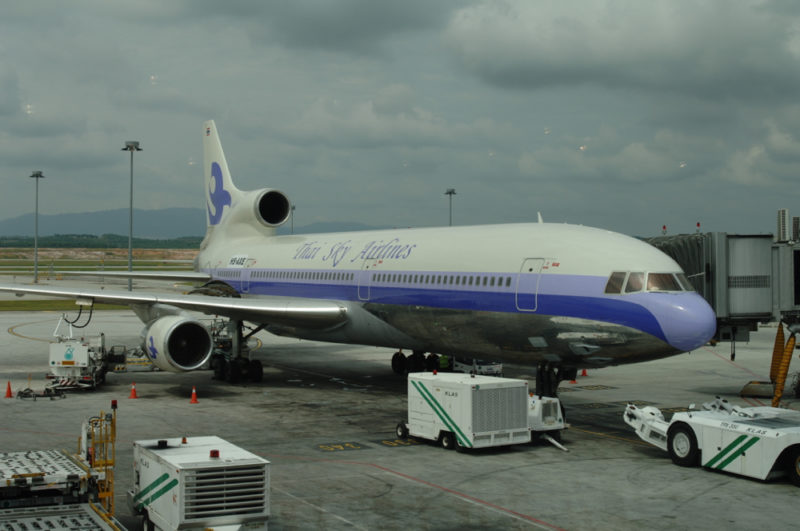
[{"x": 444, "y": 363}]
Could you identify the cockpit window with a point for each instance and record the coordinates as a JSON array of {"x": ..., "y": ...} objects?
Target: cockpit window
[
  {"x": 623, "y": 282},
  {"x": 662, "y": 282},
  {"x": 635, "y": 283},
  {"x": 615, "y": 282},
  {"x": 684, "y": 282}
]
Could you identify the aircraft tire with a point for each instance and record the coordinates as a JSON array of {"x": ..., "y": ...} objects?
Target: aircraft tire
[
  {"x": 220, "y": 367},
  {"x": 255, "y": 371},
  {"x": 682, "y": 446},
  {"x": 233, "y": 371},
  {"x": 399, "y": 363}
]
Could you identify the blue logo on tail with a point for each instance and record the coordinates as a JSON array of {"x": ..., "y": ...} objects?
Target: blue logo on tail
[{"x": 218, "y": 197}]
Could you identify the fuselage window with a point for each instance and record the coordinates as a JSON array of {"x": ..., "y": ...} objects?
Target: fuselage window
[
  {"x": 635, "y": 282},
  {"x": 614, "y": 284},
  {"x": 662, "y": 282},
  {"x": 491, "y": 282},
  {"x": 485, "y": 280}
]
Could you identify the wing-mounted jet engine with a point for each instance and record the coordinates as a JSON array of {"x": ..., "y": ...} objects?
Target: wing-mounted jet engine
[{"x": 177, "y": 343}]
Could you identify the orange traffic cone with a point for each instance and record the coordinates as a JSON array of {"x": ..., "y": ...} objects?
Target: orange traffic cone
[
  {"x": 133, "y": 391},
  {"x": 8, "y": 391},
  {"x": 194, "y": 396},
  {"x": 583, "y": 373}
]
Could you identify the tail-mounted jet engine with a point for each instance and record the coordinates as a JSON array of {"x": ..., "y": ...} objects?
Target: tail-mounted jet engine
[
  {"x": 176, "y": 343},
  {"x": 272, "y": 208}
]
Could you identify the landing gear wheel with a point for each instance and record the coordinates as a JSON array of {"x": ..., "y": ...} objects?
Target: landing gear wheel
[
  {"x": 399, "y": 363},
  {"x": 233, "y": 371},
  {"x": 448, "y": 440},
  {"x": 682, "y": 446},
  {"x": 401, "y": 431},
  {"x": 416, "y": 362},
  {"x": 255, "y": 371},
  {"x": 220, "y": 366},
  {"x": 794, "y": 467}
]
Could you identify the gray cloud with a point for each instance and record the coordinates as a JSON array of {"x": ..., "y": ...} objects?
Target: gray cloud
[
  {"x": 620, "y": 114},
  {"x": 711, "y": 50}
]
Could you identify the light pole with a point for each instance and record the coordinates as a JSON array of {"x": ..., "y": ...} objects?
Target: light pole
[
  {"x": 292, "y": 217},
  {"x": 451, "y": 192},
  {"x": 131, "y": 145},
  {"x": 36, "y": 175}
]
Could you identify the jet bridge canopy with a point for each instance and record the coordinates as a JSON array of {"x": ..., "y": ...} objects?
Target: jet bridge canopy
[{"x": 734, "y": 273}]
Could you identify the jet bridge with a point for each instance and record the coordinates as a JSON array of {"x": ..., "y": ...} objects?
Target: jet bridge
[{"x": 747, "y": 279}]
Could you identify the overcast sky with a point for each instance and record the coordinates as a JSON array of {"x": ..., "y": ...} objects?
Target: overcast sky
[{"x": 625, "y": 115}]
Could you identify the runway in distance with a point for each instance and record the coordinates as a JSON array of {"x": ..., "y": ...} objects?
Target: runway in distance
[{"x": 558, "y": 297}]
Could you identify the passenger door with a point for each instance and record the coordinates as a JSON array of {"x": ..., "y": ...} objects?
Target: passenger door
[{"x": 527, "y": 291}]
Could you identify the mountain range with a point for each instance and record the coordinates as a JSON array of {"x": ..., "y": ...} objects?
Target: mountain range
[{"x": 155, "y": 224}]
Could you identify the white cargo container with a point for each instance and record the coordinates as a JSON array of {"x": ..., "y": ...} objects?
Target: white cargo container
[
  {"x": 757, "y": 442},
  {"x": 472, "y": 411},
  {"x": 199, "y": 483}
]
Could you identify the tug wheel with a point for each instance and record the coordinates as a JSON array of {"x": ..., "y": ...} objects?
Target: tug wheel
[
  {"x": 682, "y": 446},
  {"x": 794, "y": 467}
]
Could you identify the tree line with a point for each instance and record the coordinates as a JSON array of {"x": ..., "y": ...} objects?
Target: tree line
[{"x": 104, "y": 241}]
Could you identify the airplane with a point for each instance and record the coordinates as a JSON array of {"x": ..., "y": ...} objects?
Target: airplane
[{"x": 558, "y": 297}]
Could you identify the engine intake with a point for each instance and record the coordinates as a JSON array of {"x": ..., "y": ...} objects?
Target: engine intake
[
  {"x": 272, "y": 208},
  {"x": 177, "y": 343}
]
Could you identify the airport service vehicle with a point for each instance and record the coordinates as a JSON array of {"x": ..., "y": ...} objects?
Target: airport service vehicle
[
  {"x": 78, "y": 363},
  {"x": 54, "y": 489},
  {"x": 757, "y": 442},
  {"x": 199, "y": 483},
  {"x": 554, "y": 296},
  {"x": 465, "y": 411},
  {"x": 486, "y": 368}
]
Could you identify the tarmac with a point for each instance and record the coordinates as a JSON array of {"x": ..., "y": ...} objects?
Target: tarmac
[{"x": 325, "y": 415}]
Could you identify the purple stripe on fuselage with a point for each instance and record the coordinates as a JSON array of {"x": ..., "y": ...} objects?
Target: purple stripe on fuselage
[{"x": 576, "y": 296}]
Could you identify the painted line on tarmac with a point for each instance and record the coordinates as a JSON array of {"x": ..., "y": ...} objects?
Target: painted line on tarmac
[
  {"x": 320, "y": 509},
  {"x": 460, "y": 495},
  {"x": 729, "y": 361},
  {"x": 13, "y": 331},
  {"x": 637, "y": 442}
]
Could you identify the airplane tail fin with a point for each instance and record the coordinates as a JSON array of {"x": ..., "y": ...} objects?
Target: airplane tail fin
[
  {"x": 233, "y": 212},
  {"x": 220, "y": 190}
]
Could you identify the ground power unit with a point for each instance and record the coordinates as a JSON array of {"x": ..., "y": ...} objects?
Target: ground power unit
[
  {"x": 199, "y": 483},
  {"x": 464, "y": 411}
]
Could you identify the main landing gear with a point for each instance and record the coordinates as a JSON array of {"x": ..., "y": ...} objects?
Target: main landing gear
[
  {"x": 231, "y": 359},
  {"x": 417, "y": 361},
  {"x": 548, "y": 376}
]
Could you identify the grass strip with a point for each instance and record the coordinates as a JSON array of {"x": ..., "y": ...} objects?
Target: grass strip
[{"x": 60, "y": 305}]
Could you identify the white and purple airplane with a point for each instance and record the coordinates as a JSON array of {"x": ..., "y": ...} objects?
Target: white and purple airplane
[{"x": 555, "y": 296}]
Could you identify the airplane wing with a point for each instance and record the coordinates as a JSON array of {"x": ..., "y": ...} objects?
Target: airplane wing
[
  {"x": 190, "y": 276},
  {"x": 292, "y": 311}
]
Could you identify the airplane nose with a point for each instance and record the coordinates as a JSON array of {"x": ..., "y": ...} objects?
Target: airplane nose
[{"x": 689, "y": 323}]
